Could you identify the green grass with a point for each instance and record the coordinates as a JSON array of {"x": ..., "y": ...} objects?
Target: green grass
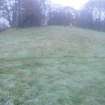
[{"x": 52, "y": 66}]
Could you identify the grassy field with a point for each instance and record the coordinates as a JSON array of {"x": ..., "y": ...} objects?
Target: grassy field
[{"x": 52, "y": 66}]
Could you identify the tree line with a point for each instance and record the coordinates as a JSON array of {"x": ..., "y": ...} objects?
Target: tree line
[{"x": 28, "y": 13}]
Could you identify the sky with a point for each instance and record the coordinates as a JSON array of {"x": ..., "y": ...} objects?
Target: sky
[{"x": 76, "y": 4}]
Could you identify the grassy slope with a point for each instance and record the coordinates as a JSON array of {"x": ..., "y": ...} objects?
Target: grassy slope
[{"x": 52, "y": 66}]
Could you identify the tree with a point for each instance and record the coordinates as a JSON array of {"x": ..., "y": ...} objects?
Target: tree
[
  {"x": 62, "y": 16},
  {"x": 7, "y": 10},
  {"x": 93, "y": 14},
  {"x": 29, "y": 13}
]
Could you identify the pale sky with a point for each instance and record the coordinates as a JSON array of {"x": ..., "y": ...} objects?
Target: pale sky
[{"x": 77, "y": 4}]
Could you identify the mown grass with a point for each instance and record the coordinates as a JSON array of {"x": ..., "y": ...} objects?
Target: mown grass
[{"x": 52, "y": 66}]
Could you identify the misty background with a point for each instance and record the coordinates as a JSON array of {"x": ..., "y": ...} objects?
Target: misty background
[{"x": 30, "y": 13}]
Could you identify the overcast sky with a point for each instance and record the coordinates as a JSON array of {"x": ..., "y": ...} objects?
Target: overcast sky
[{"x": 77, "y": 4}]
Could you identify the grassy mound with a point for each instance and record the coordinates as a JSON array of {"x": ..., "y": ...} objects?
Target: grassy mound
[{"x": 52, "y": 66}]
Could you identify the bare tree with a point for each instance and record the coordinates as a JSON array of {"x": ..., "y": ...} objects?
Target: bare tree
[{"x": 7, "y": 10}]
